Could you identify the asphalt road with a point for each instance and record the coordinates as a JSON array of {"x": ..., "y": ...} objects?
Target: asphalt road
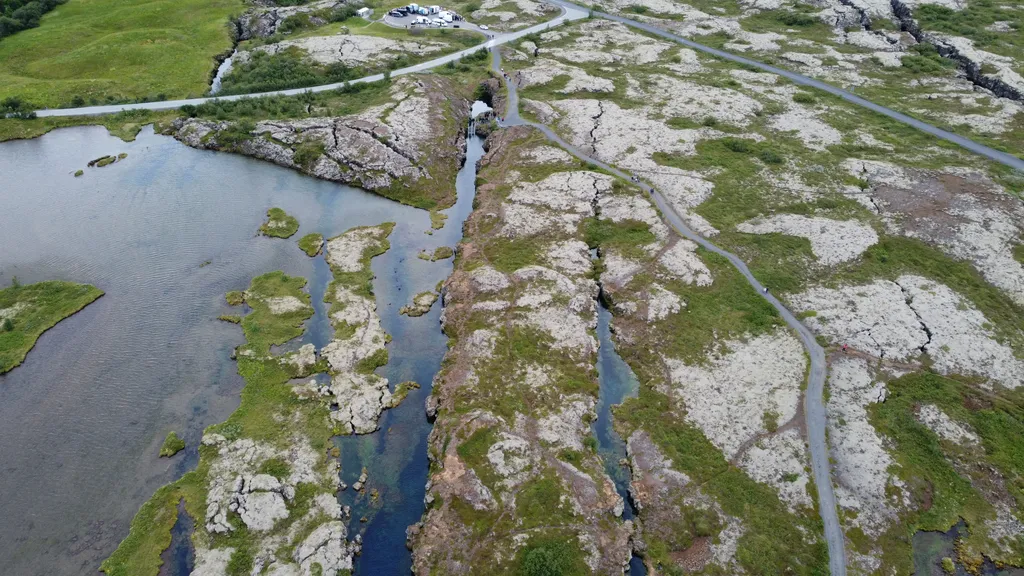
[
  {"x": 569, "y": 13},
  {"x": 814, "y": 407},
  {"x": 1001, "y": 157}
]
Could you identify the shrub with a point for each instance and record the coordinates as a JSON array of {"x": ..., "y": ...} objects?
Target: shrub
[
  {"x": 796, "y": 19},
  {"x": 803, "y": 98},
  {"x": 15, "y": 107},
  {"x": 308, "y": 152},
  {"x": 926, "y": 60},
  {"x": 736, "y": 145},
  {"x": 18, "y": 15},
  {"x": 769, "y": 156}
]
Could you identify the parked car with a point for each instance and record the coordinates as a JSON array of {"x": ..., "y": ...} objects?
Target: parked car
[{"x": 484, "y": 27}]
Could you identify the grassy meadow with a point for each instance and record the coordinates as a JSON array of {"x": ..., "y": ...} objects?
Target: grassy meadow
[{"x": 98, "y": 51}]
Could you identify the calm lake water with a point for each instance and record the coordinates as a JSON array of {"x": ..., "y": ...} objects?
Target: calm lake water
[{"x": 82, "y": 419}]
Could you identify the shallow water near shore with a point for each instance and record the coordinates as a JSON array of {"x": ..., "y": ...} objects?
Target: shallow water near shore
[
  {"x": 83, "y": 418},
  {"x": 931, "y": 547}
]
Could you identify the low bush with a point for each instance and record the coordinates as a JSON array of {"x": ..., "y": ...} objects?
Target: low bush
[{"x": 18, "y": 15}]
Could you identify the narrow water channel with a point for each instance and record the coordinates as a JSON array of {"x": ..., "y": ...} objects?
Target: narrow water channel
[
  {"x": 165, "y": 233},
  {"x": 223, "y": 70},
  {"x": 617, "y": 382},
  {"x": 396, "y": 456}
]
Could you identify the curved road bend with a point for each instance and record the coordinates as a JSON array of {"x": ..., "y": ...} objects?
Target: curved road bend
[
  {"x": 814, "y": 407},
  {"x": 569, "y": 13}
]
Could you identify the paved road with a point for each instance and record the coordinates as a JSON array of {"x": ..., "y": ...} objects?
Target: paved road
[
  {"x": 1001, "y": 157},
  {"x": 569, "y": 13},
  {"x": 814, "y": 407}
]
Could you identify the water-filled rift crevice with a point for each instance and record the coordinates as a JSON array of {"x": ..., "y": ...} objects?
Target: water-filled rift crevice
[
  {"x": 617, "y": 382},
  {"x": 395, "y": 457}
]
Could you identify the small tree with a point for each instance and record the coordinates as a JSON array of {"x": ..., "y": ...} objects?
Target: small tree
[{"x": 7, "y": 325}]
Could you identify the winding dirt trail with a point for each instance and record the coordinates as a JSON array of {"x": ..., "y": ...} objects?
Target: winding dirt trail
[{"x": 814, "y": 407}]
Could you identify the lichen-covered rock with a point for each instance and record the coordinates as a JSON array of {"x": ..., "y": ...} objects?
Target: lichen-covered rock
[
  {"x": 781, "y": 461},
  {"x": 729, "y": 396},
  {"x": 421, "y": 304},
  {"x": 962, "y": 212},
  {"x": 913, "y": 315},
  {"x": 862, "y": 466},
  {"x": 350, "y": 49},
  {"x": 681, "y": 262},
  {"x": 945, "y": 427},
  {"x": 833, "y": 241}
]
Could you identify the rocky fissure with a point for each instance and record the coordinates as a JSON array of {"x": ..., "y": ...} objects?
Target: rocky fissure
[{"x": 947, "y": 49}]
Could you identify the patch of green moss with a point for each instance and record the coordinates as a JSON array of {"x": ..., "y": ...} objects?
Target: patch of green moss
[
  {"x": 232, "y": 318},
  {"x": 627, "y": 236},
  {"x": 473, "y": 452},
  {"x": 263, "y": 328},
  {"x": 279, "y": 224},
  {"x": 30, "y": 310},
  {"x": 235, "y": 298},
  {"x": 311, "y": 244},
  {"x": 172, "y": 445},
  {"x": 370, "y": 363},
  {"x": 941, "y": 493},
  {"x": 509, "y": 255}
]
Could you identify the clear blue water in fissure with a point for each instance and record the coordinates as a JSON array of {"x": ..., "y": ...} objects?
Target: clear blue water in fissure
[
  {"x": 617, "y": 382},
  {"x": 395, "y": 457}
]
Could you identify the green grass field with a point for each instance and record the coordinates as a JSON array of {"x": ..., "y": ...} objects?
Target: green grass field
[
  {"x": 28, "y": 311},
  {"x": 104, "y": 50}
]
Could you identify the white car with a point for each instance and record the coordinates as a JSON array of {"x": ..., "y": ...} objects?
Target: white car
[{"x": 484, "y": 27}]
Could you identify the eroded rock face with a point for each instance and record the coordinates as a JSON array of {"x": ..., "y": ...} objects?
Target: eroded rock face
[
  {"x": 520, "y": 332},
  {"x": 381, "y": 147},
  {"x": 262, "y": 22},
  {"x": 260, "y": 500},
  {"x": 664, "y": 498}
]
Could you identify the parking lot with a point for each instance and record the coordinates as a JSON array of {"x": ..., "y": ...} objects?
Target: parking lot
[{"x": 408, "y": 20}]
